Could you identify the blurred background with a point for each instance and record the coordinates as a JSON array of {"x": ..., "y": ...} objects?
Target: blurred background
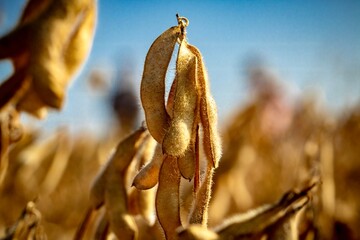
[
  {"x": 312, "y": 46},
  {"x": 286, "y": 79}
]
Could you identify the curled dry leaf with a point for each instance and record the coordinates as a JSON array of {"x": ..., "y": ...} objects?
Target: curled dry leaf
[
  {"x": 152, "y": 88},
  {"x": 178, "y": 136},
  {"x": 257, "y": 221}
]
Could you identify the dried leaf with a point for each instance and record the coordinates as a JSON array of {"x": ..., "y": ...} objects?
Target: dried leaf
[{"x": 257, "y": 221}]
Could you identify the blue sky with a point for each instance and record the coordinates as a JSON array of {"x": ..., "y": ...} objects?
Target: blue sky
[{"x": 310, "y": 44}]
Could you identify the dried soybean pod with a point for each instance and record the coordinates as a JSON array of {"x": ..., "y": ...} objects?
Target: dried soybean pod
[
  {"x": 74, "y": 52},
  {"x": 97, "y": 190},
  {"x": 148, "y": 176},
  {"x": 119, "y": 160},
  {"x": 285, "y": 228},
  {"x": 126, "y": 150},
  {"x": 189, "y": 164},
  {"x": 199, "y": 212},
  {"x": 81, "y": 229},
  {"x": 80, "y": 41},
  {"x": 178, "y": 136},
  {"x": 167, "y": 197},
  {"x": 52, "y": 31},
  {"x": 171, "y": 97},
  {"x": 208, "y": 112},
  {"x": 121, "y": 224},
  {"x": 197, "y": 232},
  {"x": 101, "y": 228},
  {"x": 152, "y": 89},
  {"x": 44, "y": 36},
  {"x": 145, "y": 199},
  {"x": 146, "y": 152},
  {"x": 186, "y": 163},
  {"x": 146, "y": 202}
]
